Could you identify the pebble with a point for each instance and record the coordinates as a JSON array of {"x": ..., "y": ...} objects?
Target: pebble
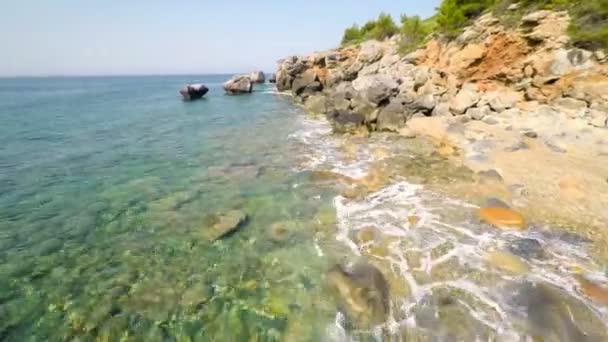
[
  {"x": 502, "y": 218},
  {"x": 490, "y": 175},
  {"x": 531, "y": 134},
  {"x": 554, "y": 147},
  {"x": 516, "y": 147}
]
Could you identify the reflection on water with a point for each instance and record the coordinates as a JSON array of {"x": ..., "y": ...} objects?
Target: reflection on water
[{"x": 108, "y": 193}]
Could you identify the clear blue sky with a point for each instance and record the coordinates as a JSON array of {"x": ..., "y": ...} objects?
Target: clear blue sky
[{"x": 105, "y": 37}]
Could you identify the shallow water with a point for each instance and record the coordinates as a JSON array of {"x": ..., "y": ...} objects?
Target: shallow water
[{"x": 107, "y": 186}]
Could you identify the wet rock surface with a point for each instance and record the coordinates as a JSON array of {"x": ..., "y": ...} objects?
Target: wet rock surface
[{"x": 224, "y": 224}]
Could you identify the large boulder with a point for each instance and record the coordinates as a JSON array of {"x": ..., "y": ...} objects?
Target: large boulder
[
  {"x": 257, "y": 77},
  {"x": 193, "y": 92},
  {"x": 362, "y": 293},
  {"x": 316, "y": 104},
  {"x": 466, "y": 98},
  {"x": 376, "y": 88},
  {"x": 392, "y": 117},
  {"x": 306, "y": 83},
  {"x": 344, "y": 121},
  {"x": 240, "y": 84},
  {"x": 371, "y": 51}
]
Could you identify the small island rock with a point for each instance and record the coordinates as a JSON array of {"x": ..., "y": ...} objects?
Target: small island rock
[
  {"x": 240, "y": 84},
  {"x": 193, "y": 92}
]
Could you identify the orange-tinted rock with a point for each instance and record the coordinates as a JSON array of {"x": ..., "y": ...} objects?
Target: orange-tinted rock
[
  {"x": 502, "y": 218},
  {"x": 596, "y": 292},
  {"x": 413, "y": 220}
]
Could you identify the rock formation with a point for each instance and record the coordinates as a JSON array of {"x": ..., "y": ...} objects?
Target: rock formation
[
  {"x": 487, "y": 70},
  {"x": 257, "y": 77},
  {"x": 193, "y": 92},
  {"x": 239, "y": 84}
]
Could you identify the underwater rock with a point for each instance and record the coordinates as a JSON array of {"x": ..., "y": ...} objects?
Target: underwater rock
[
  {"x": 507, "y": 262},
  {"x": 502, "y": 218},
  {"x": 527, "y": 249},
  {"x": 594, "y": 291},
  {"x": 493, "y": 202},
  {"x": 550, "y": 314},
  {"x": 225, "y": 224},
  {"x": 281, "y": 231},
  {"x": 363, "y": 293}
]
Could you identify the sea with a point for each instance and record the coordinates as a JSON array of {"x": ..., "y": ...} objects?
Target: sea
[{"x": 109, "y": 186}]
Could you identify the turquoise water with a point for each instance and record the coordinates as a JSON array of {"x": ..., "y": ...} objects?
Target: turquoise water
[{"x": 105, "y": 187}]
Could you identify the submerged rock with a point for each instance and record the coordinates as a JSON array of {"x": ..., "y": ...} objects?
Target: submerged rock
[
  {"x": 527, "y": 249},
  {"x": 240, "y": 84},
  {"x": 193, "y": 92},
  {"x": 363, "y": 293},
  {"x": 507, "y": 262},
  {"x": 224, "y": 224},
  {"x": 502, "y": 218},
  {"x": 594, "y": 291}
]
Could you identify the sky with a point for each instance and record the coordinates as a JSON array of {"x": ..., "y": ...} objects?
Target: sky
[{"x": 132, "y": 37}]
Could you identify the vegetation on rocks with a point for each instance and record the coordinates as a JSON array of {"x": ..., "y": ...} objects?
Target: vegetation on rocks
[{"x": 588, "y": 29}]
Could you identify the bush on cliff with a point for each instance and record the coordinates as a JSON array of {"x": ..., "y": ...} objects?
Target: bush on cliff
[
  {"x": 381, "y": 28},
  {"x": 589, "y": 26},
  {"x": 453, "y": 15},
  {"x": 414, "y": 32}
]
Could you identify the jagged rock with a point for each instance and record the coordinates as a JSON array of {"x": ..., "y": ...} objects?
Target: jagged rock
[
  {"x": 478, "y": 113},
  {"x": 466, "y": 98},
  {"x": 363, "y": 293},
  {"x": 501, "y": 100},
  {"x": 257, "y": 77},
  {"x": 224, "y": 224},
  {"x": 193, "y": 92},
  {"x": 306, "y": 82},
  {"x": 352, "y": 72},
  {"x": 597, "y": 118},
  {"x": 344, "y": 121},
  {"x": 392, "y": 117},
  {"x": 375, "y": 88},
  {"x": 442, "y": 109},
  {"x": 371, "y": 51},
  {"x": 316, "y": 104},
  {"x": 239, "y": 84}
]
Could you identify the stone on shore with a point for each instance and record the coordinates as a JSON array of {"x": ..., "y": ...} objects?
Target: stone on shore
[
  {"x": 502, "y": 218},
  {"x": 240, "y": 84},
  {"x": 193, "y": 92},
  {"x": 375, "y": 88}
]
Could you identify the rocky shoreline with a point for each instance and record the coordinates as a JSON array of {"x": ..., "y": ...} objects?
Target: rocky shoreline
[{"x": 518, "y": 106}]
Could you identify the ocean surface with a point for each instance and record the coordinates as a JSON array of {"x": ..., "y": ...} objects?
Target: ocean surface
[{"x": 108, "y": 184}]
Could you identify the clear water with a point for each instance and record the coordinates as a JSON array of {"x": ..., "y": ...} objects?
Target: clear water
[{"x": 106, "y": 190}]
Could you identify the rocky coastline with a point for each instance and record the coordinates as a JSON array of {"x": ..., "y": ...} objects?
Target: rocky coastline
[{"x": 518, "y": 106}]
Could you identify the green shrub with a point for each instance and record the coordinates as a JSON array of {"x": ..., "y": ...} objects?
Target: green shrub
[
  {"x": 352, "y": 35},
  {"x": 589, "y": 26},
  {"x": 414, "y": 32}
]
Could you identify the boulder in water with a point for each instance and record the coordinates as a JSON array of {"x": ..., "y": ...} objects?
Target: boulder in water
[
  {"x": 257, "y": 77},
  {"x": 272, "y": 78},
  {"x": 502, "y": 217},
  {"x": 363, "y": 293},
  {"x": 239, "y": 84},
  {"x": 193, "y": 92}
]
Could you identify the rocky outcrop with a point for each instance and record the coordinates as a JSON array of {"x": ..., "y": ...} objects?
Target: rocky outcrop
[
  {"x": 193, "y": 92},
  {"x": 240, "y": 84},
  {"x": 257, "y": 77},
  {"x": 485, "y": 72}
]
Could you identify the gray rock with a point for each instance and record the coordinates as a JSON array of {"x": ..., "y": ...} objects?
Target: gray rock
[
  {"x": 316, "y": 104},
  {"x": 392, "y": 117},
  {"x": 488, "y": 120},
  {"x": 239, "y": 84},
  {"x": 466, "y": 98},
  {"x": 345, "y": 121},
  {"x": 425, "y": 103},
  {"x": 479, "y": 113},
  {"x": 490, "y": 175},
  {"x": 570, "y": 103},
  {"x": 306, "y": 82},
  {"x": 442, "y": 109},
  {"x": 193, "y": 92},
  {"x": 272, "y": 78},
  {"x": 496, "y": 203},
  {"x": 224, "y": 224},
  {"x": 500, "y": 101},
  {"x": 352, "y": 71},
  {"x": 527, "y": 249},
  {"x": 371, "y": 51},
  {"x": 362, "y": 293},
  {"x": 517, "y": 147},
  {"x": 530, "y": 134},
  {"x": 375, "y": 88},
  {"x": 257, "y": 77}
]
